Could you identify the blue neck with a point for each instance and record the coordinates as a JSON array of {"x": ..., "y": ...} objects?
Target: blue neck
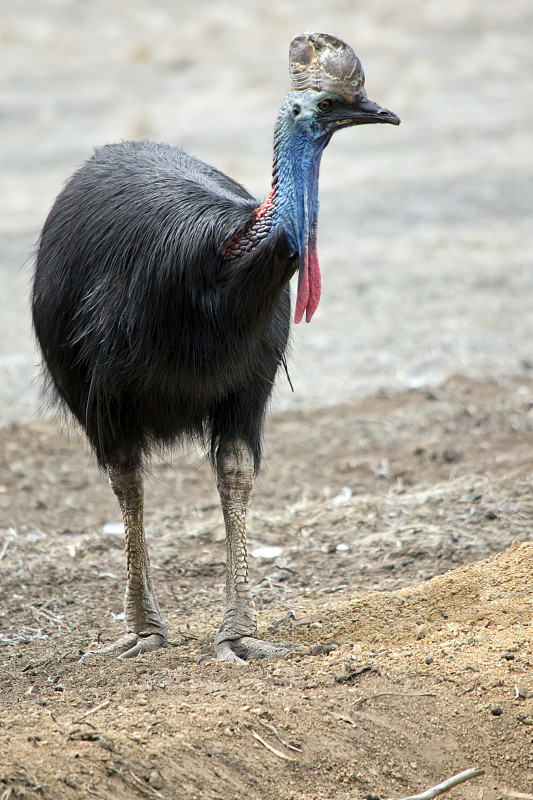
[
  {"x": 292, "y": 205},
  {"x": 297, "y": 154}
]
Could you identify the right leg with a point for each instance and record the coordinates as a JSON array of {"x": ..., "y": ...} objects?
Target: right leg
[
  {"x": 237, "y": 638},
  {"x": 145, "y": 626}
]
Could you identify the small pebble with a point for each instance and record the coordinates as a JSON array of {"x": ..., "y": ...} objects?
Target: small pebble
[
  {"x": 429, "y": 660},
  {"x": 508, "y": 656},
  {"x": 268, "y": 553},
  {"x": 155, "y": 780},
  {"x": 496, "y": 711}
]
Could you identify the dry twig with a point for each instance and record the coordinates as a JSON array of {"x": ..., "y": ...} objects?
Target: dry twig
[
  {"x": 91, "y": 711},
  {"x": 445, "y": 786}
]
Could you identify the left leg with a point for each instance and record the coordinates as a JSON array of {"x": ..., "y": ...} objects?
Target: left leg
[
  {"x": 146, "y": 630},
  {"x": 237, "y": 639}
]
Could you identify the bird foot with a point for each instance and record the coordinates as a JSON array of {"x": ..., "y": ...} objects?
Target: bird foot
[
  {"x": 129, "y": 646},
  {"x": 247, "y": 647}
]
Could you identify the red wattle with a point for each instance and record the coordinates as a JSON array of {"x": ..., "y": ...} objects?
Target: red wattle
[
  {"x": 315, "y": 285},
  {"x": 302, "y": 294},
  {"x": 309, "y": 285}
]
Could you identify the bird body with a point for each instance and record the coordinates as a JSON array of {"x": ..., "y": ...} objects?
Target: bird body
[
  {"x": 164, "y": 336},
  {"x": 162, "y": 308}
]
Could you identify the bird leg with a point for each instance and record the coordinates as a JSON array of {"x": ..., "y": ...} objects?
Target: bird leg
[
  {"x": 145, "y": 626},
  {"x": 237, "y": 638}
]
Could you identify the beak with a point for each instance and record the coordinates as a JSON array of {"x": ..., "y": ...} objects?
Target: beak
[{"x": 363, "y": 111}]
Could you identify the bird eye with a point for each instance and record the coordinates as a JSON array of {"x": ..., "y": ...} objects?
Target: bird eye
[
  {"x": 296, "y": 109},
  {"x": 324, "y": 105}
]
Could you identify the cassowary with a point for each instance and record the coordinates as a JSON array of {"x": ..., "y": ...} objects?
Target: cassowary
[{"x": 162, "y": 308}]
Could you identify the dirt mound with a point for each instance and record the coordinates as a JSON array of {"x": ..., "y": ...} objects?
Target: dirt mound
[{"x": 406, "y": 673}]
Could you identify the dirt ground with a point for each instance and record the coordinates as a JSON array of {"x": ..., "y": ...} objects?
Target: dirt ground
[{"x": 401, "y": 562}]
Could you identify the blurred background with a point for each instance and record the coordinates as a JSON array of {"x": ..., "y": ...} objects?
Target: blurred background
[{"x": 425, "y": 231}]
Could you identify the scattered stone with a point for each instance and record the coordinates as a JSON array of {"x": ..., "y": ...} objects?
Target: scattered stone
[
  {"x": 114, "y": 528},
  {"x": 429, "y": 659},
  {"x": 266, "y": 552},
  {"x": 155, "y": 780},
  {"x": 508, "y": 656},
  {"x": 496, "y": 710}
]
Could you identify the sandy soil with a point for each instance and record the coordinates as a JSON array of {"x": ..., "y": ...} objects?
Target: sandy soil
[{"x": 406, "y": 672}]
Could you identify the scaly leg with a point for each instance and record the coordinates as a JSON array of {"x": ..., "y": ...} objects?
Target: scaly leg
[
  {"x": 237, "y": 639},
  {"x": 145, "y": 626}
]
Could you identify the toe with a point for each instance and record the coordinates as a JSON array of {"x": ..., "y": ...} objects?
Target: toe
[
  {"x": 145, "y": 645},
  {"x": 225, "y": 652},
  {"x": 122, "y": 644},
  {"x": 128, "y": 646},
  {"x": 248, "y": 647}
]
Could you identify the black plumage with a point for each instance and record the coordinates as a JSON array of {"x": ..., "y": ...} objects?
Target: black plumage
[{"x": 148, "y": 334}]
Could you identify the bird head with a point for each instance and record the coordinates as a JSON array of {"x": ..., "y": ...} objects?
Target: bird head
[
  {"x": 327, "y": 93},
  {"x": 328, "y": 84}
]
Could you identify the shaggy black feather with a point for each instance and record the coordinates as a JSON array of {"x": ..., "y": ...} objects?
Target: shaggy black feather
[{"x": 147, "y": 334}]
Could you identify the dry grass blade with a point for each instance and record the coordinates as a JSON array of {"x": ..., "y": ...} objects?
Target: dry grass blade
[
  {"x": 146, "y": 788},
  {"x": 3, "y": 551},
  {"x": 271, "y": 748},
  {"x": 43, "y": 613},
  {"x": 342, "y": 718},
  {"x": 276, "y": 734},
  {"x": 362, "y": 700},
  {"x": 445, "y": 786}
]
